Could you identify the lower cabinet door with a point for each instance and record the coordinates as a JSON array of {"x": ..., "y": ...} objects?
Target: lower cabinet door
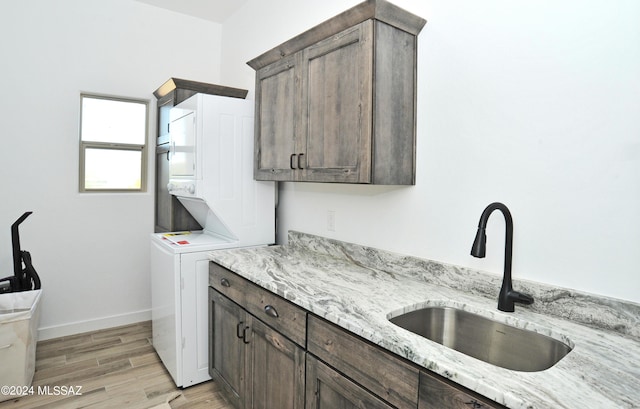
[
  {"x": 437, "y": 394},
  {"x": 227, "y": 325},
  {"x": 257, "y": 367},
  {"x": 275, "y": 370},
  {"x": 328, "y": 389}
]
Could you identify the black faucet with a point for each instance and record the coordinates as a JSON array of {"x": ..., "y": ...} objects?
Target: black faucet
[{"x": 508, "y": 296}]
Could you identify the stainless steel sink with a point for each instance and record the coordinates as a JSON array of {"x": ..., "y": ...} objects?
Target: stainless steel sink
[{"x": 485, "y": 339}]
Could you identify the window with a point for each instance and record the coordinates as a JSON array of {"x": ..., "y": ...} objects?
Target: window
[{"x": 113, "y": 135}]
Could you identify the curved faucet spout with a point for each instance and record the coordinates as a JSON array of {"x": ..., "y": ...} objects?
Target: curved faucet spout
[{"x": 507, "y": 296}]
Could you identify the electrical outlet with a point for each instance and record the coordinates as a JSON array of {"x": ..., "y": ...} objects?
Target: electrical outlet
[{"x": 331, "y": 220}]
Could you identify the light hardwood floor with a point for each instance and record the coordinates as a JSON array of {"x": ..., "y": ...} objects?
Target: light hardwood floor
[{"x": 116, "y": 368}]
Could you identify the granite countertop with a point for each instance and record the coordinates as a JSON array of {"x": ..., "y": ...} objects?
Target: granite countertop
[{"x": 360, "y": 288}]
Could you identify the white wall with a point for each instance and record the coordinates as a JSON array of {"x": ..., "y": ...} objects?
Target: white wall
[
  {"x": 91, "y": 250},
  {"x": 532, "y": 103}
]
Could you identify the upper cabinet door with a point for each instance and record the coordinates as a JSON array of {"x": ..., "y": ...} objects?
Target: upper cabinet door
[
  {"x": 277, "y": 90},
  {"x": 337, "y": 88}
]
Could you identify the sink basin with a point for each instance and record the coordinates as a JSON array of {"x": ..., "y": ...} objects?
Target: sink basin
[{"x": 485, "y": 339}]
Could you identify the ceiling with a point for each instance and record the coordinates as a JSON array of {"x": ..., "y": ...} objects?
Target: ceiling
[{"x": 213, "y": 10}]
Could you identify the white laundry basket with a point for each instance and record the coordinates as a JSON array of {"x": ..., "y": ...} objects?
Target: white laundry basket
[{"x": 19, "y": 319}]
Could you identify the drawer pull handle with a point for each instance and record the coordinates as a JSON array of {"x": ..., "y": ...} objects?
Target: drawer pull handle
[
  {"x": 291, "y": 161},
  {"x": 244, "y": 335},
  {"x": 300, "y": 155},
  {"x": 6, "y": 346},
  {"x": 238, "y": 333},
  {"x": 225, "y": 283},
  {"x": 474, "y": 404},
  {"x": 270, "y": 311}
]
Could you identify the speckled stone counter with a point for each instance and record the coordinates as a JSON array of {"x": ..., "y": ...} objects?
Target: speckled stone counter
[{"x": 360, "y": 288}]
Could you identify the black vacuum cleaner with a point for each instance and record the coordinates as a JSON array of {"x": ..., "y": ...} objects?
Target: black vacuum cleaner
[{"x": 24, "y": 278}]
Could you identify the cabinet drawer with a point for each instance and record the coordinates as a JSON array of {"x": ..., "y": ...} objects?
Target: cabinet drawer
[
  {"x": 275, "y": 311},
  {"x": 437, "y": 394},
  {"x": 370, "y": 366},
  {"x": 228, "y": 283}
]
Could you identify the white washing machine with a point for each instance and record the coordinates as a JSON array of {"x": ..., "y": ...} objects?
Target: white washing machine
[{"x": 179, "y": 290}]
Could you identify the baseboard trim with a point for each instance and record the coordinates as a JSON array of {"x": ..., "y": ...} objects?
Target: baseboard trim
[{"x": 78, "y": 327}]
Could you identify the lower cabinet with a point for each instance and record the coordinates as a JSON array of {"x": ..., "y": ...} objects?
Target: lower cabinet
[
  {"x": 328, "y": 389},
  {"x": 438, "y": 394},
  {"x": 258, "y": 367},
  {"x": 257, "y": 354}
]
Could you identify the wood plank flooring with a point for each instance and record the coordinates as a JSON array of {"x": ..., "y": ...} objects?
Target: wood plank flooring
[{"x": 116, "y": 368}]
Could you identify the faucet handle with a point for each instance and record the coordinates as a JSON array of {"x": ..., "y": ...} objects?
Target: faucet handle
[
  {"x": 508, "y": 298},
  {"x": 520, "y": 297}
]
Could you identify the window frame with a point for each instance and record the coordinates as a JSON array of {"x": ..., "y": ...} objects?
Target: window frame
[{"x": 114, "y": 146}]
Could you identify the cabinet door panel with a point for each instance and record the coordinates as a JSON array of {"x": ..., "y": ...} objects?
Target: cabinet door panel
[
  {"x": 337, "y": 76},
  {"x": 327, "y": 389},
  {"x": 226, "y": 351},
  {"x": 276, "y": 370},
  {"x": 277, "y": 91}
]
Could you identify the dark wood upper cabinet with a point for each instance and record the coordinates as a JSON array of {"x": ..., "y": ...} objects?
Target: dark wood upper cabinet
[{"x": 337, "y": 103}]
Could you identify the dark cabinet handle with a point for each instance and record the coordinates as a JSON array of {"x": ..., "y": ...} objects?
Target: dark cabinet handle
[
  {"x": 241, "y": 332},
  {"x": 298, "y": 164},
  {"x": 244, "y": 335},
  {"x": 474, "y": 404},
  {"x": 225, "y": 283},
  {"x": 270, "y": 311}
]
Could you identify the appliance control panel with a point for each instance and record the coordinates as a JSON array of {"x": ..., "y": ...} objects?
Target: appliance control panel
[{"x": 186, "y": 188}]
